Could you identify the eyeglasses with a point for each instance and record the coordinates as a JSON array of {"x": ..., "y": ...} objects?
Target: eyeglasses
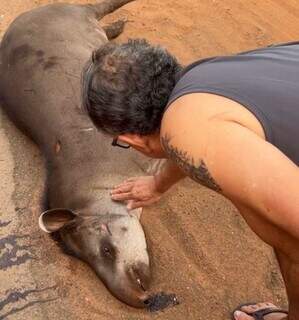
[{"x": 124, "y": 145}]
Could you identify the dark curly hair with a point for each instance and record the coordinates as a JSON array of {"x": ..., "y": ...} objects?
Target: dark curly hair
[{"x": 126, "y": 87}]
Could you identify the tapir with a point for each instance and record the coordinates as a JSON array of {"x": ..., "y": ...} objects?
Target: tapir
[{"x": 42, "y": 55}]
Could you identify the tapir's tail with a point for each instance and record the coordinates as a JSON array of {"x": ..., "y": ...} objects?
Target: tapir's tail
[{"x": 107, "y": 6}]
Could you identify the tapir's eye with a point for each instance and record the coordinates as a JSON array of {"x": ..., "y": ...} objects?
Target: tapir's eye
[{"x": 107, "y": 250}]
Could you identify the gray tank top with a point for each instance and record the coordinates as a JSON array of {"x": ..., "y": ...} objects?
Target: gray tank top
[{"x": 265, "y": 81}]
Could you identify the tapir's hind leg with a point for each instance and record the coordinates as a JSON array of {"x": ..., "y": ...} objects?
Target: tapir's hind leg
[
  {"x": 114, "y": 29},
  {"x": 108, "y": 6}
]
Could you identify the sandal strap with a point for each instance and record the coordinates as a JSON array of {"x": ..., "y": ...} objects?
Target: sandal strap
[{"x": 260, "y": 314}]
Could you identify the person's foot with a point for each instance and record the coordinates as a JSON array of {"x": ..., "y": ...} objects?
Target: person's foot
[{"x": 244, "y": 312}]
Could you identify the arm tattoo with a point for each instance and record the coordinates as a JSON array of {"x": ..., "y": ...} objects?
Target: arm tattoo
[{"x": 198, "y": 173}]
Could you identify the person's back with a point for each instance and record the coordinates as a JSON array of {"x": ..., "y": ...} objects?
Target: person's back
[{"x": 265, "y": 81}]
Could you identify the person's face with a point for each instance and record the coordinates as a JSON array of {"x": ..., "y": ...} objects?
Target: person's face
[{"x": 149, "y": 145}]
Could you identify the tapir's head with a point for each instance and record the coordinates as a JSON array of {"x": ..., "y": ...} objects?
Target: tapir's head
[{"x": 113, "y": 245}]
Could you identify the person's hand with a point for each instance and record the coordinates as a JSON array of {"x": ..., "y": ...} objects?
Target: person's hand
[{"x": 138, "y": 192}]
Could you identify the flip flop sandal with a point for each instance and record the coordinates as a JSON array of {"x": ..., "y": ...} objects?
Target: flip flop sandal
[{"x": 259, "y": 314}]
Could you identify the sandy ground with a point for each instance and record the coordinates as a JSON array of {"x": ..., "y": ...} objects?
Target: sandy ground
[{"x": 200, "y": 247}]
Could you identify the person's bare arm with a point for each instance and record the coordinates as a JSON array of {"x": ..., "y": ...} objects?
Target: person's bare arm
[
  {"x": 146, "y": 190},
  {"x": 169, "y": 175},
  {"x": 236, "y": 162}
]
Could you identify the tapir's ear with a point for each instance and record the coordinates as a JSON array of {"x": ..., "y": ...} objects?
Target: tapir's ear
[{"x": 54, "y": 219}]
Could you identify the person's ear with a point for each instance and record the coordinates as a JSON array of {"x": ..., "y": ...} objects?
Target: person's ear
[{"x": 134, "y": 140}]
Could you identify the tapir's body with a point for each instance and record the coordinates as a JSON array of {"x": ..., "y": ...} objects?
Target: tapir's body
[{"x": 42, "y": 56}]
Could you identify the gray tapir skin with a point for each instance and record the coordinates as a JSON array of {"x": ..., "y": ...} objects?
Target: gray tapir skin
[{"x": 42, "y": 56}]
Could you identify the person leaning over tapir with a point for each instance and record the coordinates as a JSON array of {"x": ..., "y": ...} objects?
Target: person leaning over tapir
[{"x": 231, "y": 123}]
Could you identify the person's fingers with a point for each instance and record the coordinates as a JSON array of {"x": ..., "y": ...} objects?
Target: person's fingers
[
  {"x": 122, "y": 196},
  {"x": 129, "y": 203},
  {"x": 124, "y": 183},
  {"x": 131, "y": 179},
  {"x": 122, "y": 188}
]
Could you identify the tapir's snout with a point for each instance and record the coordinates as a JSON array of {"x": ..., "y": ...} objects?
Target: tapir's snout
[
  {"x": 140, "y": 275},
  {"x": 131, "y": 287}
]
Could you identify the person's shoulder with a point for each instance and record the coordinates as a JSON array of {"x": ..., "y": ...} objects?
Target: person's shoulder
[
  {"x": 200, "y": 104},
  {"x": 191, "y": 110},
  {"x": 201, "y": 110},
  {"x": 186, "y": 124}
]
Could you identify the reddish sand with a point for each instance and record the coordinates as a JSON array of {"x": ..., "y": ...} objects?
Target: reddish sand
[{"x": 201, "y": 248}]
